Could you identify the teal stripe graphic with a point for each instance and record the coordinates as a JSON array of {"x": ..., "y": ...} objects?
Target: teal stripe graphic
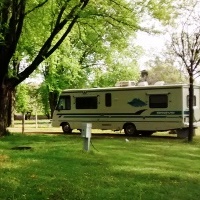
[{"x": 154, "y": 114}]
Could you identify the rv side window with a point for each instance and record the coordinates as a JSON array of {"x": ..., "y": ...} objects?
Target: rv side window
[
  {"x": 86, "y": 102},
  {"x": 158, "y": 101},
  {"x": 194, "y": 101},
  {"x": 64, "y": 103},
  {"x": 108, "y": 99}
]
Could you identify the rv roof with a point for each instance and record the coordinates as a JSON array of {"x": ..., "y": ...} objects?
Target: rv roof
[{"x": 130, "y": 88}]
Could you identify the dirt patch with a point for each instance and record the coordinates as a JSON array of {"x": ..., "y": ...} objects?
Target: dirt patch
[
  {"x": 27, "y": 130},
  {"x": 3, "y": 158}
]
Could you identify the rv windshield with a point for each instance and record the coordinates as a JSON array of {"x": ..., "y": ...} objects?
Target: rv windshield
[{"x": 64, "y": 103}]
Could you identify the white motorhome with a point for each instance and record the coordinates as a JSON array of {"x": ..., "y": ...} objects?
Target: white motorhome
[{"x": 136, "y": 109}]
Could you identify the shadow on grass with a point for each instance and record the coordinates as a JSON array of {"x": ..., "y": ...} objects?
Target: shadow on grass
[{"x": 156, "y": 167}]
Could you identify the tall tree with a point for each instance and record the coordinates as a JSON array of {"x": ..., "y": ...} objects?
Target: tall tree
[
  {"x": 23, "y": 99},
  {"x": 118, "y": 66},
  {"x": 186, "y": 46},
  {"x": 60, "y": 73},
  {"x": 20, "y": 19}
]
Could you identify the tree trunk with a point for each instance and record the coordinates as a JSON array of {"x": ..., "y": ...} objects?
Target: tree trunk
[
  {"x": 11, "y": 103},
  {"x": 4, "y": 109},
  {"x": 9, "y": 115},
  {"x": 23, "y": 122},
  {"x": 191, "y": 109},
  {"x": 53, "y": 98}
]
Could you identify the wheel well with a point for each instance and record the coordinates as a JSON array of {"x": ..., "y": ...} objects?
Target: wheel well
[{"x": 63, "y": 123}]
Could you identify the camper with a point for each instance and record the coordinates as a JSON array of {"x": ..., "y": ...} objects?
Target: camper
[{"x": 142, "y": 109}]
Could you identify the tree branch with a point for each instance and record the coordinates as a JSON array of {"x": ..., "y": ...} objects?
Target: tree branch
[
  {"x": 44, "y": 51},
  {"x": 15, "y": 26},
  {"x": 38, "y": 6}
]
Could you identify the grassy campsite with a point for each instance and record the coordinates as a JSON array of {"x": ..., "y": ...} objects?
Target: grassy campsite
[
  {"x": 39, "y": 165},
  {"x": 50, "y": 50}
]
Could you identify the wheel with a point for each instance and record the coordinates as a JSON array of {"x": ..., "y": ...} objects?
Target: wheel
[
  {"x": 130, "y": 130},
  {"x": 66, "y": 128}
]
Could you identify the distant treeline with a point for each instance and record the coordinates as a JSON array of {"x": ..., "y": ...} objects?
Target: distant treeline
[{"x": 28, "y": 117}]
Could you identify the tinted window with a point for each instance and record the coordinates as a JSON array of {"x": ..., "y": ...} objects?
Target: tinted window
[
  {"x": 158, "y": 101},
  {"x": 194, "y": 101},
  {"x": 86, "y": 103},
  {"x": 108, "y": 99},
  {"x": 64, "y": 103}
]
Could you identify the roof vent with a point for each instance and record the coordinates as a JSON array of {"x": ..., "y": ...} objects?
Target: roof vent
[
  {"x": 125, "y": 84},
  {"x": 159, "y": 83},
  {"x": 143, "y": 83}
]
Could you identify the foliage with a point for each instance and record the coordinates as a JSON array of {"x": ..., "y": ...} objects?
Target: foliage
[
  {"x": 114, "y": 74},
  {"x": 118, "y": 65},
  {"x": 22, "y": 99},
  {"x": 60, "y": 72},
  {"x": 27, "y": 98},
  {"x": 165, "y": 70},
  {"x": 57, "y": 168},
  {"x": 44, "y": 93},
  {"x": 79, "y": 61}
]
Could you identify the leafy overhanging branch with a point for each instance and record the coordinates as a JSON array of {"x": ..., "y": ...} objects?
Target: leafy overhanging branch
[
  {"x": 36, "y": 7},
  {"x": 47, "y": 49},
  {"x": 12, "y": 20},
  {"x": 71, "y": 19}
]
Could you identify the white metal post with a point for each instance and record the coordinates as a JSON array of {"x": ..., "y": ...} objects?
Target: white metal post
[{"x": 86, "y": 134}]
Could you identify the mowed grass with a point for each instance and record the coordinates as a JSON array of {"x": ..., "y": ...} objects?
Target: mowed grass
[{"x": 57, "y": 168}]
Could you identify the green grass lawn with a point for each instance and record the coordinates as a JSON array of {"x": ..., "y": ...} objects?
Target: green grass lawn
[{"x": 56, "y": 168}]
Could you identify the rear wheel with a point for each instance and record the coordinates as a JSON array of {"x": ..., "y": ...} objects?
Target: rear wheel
[
  {"x": 66, "y": 128},
  {"x": 130, "y": 130}
]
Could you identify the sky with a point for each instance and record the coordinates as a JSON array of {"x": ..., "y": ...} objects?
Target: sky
[{"x": 152, "y": 45}]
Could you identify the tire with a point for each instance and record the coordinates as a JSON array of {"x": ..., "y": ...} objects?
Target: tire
[
  {"x": 66, "y": 128},
  {"x": 130, "y": 130}
]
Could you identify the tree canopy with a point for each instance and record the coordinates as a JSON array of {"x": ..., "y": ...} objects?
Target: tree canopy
[
  {"x": 25, "y": 33},
  {"x": 165, "y": 70},
  {"x": 31, "y": 31}
]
